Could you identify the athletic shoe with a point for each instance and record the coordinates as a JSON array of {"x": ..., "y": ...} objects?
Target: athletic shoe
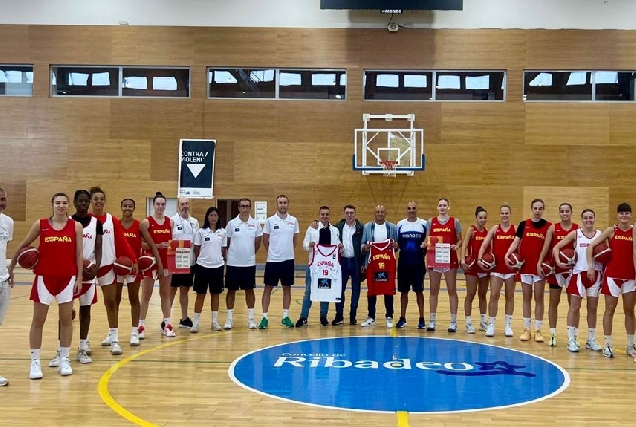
[
  {"x": 216, "y": 326},
  {"x": 552, "y": 341},
  {"x": 228, "y": 324},
  {"x": 490, "y": 330},
  {"x": 168, "y": 331},
  {"x": 431, "y": 327},
  {"x": 592, "y": 345},
  {"x": 389, "y": 322},
  {"x": 141, "y": 330},
  {"x": 3, "y": 381},
  {"x": 65, "y": 367},
  {"x": 353, "y": 321},
  {"x": 185, "y": 323},
  {"x": 134, "y": 338},
  {"x": 631, "y": 351},
  {"x": 470, "y": 329},
  {"x": 572, "y": 346},
  {"x": 483, "y": 326},
  {"x": 608, "y": 351},
  {"x": 106, "y": 342},
  {"x": 401, "y": 323},
  {"x": 251, "y": 324},
  {"x": 525, "y": 335},
  {"x": 36, "y": 370},
  {"x": 421, "y": 324},
  {"x": 264, "y": 323},
  {"x": 287, "y": 322},
  {"x": 368, "y": 322},
  {"x": 576, "y": 338},
  {"x": 55, "y": 362},
  {"x": 508, "y": 331},
  {"x": 163, "y": 326},
  {"x": 195, "y": 328},
  {"x": 452, "y": 328},
  {"x": 538, "y": 337},
  {"x": 339, "y": 320},
  {"x": 88, "y": 349},
  {"x": 82, "y": 357},
  {"x": 115, "y": 348},
  {"x": 324, "y": 321}
]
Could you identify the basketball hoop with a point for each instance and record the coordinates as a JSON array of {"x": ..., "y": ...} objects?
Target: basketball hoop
[{"x": 389, "y": 167}]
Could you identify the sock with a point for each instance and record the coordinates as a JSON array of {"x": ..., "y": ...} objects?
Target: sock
[
  {"x": 526, "y": 322},
  {"x": 215, "y": 316},
  {"x": 285, "y": 313},
  {"x": 230, "y": 313},
  {"x": 591, "y": 334},
  {"x": 482, "y": 318},
  {"x": 553, "y": 331},
  {"x": 197, "y": 317},
  {"x": 134, "y": 330},
  {"x": 65, "y": 351},
  {"x": 608, "y": 340},
  {"x": 571, "y": 333},
  {"x": 469, "y": 320},
  {"x": 576, "y": 332},
  {"x": 114, "y": 334},
  {"x": 433, "y": 316},
  {"x": 493, "y": 320},
  {"x": 537, "y": 324},
  {"x": 250, "y": 313},
  {"x": 58, "y": 345},
  {"x": 142, "y": 322},
  {"x": 630, "y": 340},
  {"x": 35, "y": 354},
  {"x": 508, "y": 319},
  {"x": 453, "y": 318},
  {"x": 82, "y": 344},
  {"x": 264, "y": 315}
]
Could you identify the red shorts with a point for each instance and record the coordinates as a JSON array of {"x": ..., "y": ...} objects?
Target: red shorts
[
  {"x": 87, "y": 295},
  {"x": 46, "y": 289}
]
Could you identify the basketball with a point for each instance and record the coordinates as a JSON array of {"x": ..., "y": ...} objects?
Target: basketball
[
  {"x": 547, "y": 269},
  {"x": 602, "y": 253},
  {"x": 567, "y": 256},
  {"x": 516, "y": 260},
  {"x": 29, "y": 257},
  {"x": 123, "y": 266},
  {"x": 469, "y": 261},
  {"x": 488, "y": 261},
  {"x": 88, "y": 264},
  {"x": 147, "y": 263}
]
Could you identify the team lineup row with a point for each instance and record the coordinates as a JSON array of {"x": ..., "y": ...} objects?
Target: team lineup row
[{"x": 225, "y": 258}]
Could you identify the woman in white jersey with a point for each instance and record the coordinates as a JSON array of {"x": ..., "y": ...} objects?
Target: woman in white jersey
[
  {"x": 6, "y": 280},
  {"x": 579, "y": 286},
  {"x": 210, "y": 251}
]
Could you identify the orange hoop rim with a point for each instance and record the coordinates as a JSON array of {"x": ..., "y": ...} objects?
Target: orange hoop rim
[{"x": 389, "y": 164}]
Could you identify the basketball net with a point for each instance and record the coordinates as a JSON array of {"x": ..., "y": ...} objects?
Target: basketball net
[{"x": 389, "y": 167}]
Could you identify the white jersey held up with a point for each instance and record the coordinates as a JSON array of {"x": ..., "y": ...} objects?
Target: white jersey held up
[{"x": 326, "y": 281}]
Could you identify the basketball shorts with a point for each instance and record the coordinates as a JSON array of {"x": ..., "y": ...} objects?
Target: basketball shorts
[
  {"x": 107, "y": 277},
  {"x": 617, "y": 287},
  {"x": 208, "y": 279},
  {"x": 558, "y": 280},
  {"x": 579, "y": 285},
  {"x": 184, "y": 280},
  {"x": 411, "y": 277},
  {"x": 240, "y": 277},
  {"x": 503, "y": 276},
  {"x": 282, "y": 272},
  {"x": 5, "y": 296},
  {"x": 531, "y": 279},
  {"x": 47, "y": 289},
  {"x": 129, "y": 279},
  {"x": 87, "y": 295}
]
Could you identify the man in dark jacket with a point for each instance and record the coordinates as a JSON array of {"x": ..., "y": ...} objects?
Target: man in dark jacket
[{"x": 350, "y": 230}]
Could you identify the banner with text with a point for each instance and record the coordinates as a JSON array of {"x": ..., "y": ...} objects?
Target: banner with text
[{"x": 196, "y": 168}]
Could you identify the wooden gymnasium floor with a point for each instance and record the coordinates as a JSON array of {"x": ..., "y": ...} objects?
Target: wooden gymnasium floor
[{"x": 184, "y": 381}]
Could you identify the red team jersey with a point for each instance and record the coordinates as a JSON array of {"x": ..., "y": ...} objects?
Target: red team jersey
[
  {"x": 621, "y": 265},
  {"x": 381, "y": 269},
  {"x": 559, "y": 234},
  {"x": 531, "y": 246},
  {"x": 114, "y": 243},
  {"x": 501, "y": 242},
  {"x": 160, "y": 234},
  {"x": 133, "y": 237},
  {"x": 449, "y": 235},
  {"x": 473, "y": 249}
]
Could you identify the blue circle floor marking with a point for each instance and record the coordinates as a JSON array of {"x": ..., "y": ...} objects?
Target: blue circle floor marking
[{"x": 413, "y": 374}]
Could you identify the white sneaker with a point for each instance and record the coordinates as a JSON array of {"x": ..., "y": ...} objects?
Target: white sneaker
[
  {"x": 490, "y": 330},
  {"x": 36, "y": 370},
  {"x": 228, "y": 324},
  {"x": 452, "y": 327},
  {"x": 508, "y": 331},
  {"x": 470, "y": 329},
  {"x": 168, "y": 331},
  {"x": 195, "y": 328},
  {"x": 368, "y": 322},
  {"x": 106, "y": 342},
  {"x": 251, "y": 324},
  {"x": 483, "y": 326},
  {"x": 134, "y": 338},
  {"x": 88, "y": 348},
  {"x": 65, "y": 367},
  {"x": 141, "y": 332},
  {"x": 55, "y": 362},
  {"x": 115, "y": 348},
  {"x": 592, "y": 345},
  {"x": 3, "y": 381},
  {"x": 608, "y": 351},
  {"x": 216, "y": 327},
  {"x": 389, "y": 322},
  {"x": 631, "y": 351},
  {"x": 82, "y": 357},
  {"x": 572, "y": 346}
]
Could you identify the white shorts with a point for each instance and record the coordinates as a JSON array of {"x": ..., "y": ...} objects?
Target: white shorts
[
  {"x": 5, "y": 295},
  {"x": 40, "y": 293},
  {"x": 613, "y": 287},
  {"x": 561, "y": 280},
  {"x": 531, "y": 279},
  {"x": 130, "y": 278},
  {"x": 576, "y": 287},
  {"x": 89, "y": 294},
  {"x": 441, "y": 270},
  {"x": 106, "y": 279},
  {"x": 504, "y": 276}
]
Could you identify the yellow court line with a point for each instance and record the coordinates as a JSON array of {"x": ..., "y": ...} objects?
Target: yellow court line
[
  {"x": 104, "y": 392},
  {"x": 403, "y": 418}
]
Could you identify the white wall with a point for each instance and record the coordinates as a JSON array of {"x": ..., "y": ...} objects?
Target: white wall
[{"x": 590, "y": 14}]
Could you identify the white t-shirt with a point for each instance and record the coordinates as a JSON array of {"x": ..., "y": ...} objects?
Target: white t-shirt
[
  {"x": 281, "y": 234},
  {"x": 242, "y": 235},
  {"x": 211, "y": 242},
  {"x": 6, "y": 235},
  {"x": 185, "y": 229},
  {"x": 347, "y": 240},
  {"x": 380, "y": 233}
]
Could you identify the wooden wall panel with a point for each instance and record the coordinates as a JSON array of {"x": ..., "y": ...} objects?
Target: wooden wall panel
[
  {"x": 14, "y": 117},
  {"x": 17, "y": 51},
  {"x": 570, "y": 49},
  {"x": 72, "y": 44},
  {"x": 496, "y": 123},
  {"x": 567, "y": 124}
]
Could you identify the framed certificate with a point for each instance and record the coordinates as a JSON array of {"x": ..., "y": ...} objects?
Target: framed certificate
[
  {"x": 438, "y": 253},
  {"x": 179, "y": 257}
]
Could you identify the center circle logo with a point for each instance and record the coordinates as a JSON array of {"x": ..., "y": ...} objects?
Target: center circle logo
[{"x": 412, "y": 374}]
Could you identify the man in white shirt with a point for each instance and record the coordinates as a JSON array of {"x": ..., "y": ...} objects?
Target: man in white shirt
[
  {"x": 322, "y": 234},
  {"x": 280, "y": 236},
  {"x": 6, "y": 279},
  {"x": 185, "y": 227},
  {"x": 244, "y": 236}
]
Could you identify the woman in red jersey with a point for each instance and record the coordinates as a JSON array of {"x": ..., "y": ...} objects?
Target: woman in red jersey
[
  {"x": 159, "y": 228},
  {"x": 476, "y": 277},
  {"x": 58, "y": 276},
  {"x": 557, "y": 281},
  {"x": 618, "y": 277},
  {"x": 450, "y": 230},
  {"x": 114, "y": 244},
  {"x": 531, "y": 235},
  {"x": 497, "y": 242}
]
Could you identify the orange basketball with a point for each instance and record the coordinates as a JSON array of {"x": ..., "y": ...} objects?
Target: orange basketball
[
  {"x": 547, "y": 269},
  {"x": 147, "y": 263},
  {"x": 29, "y": 257},
  {"x": 602, "y": 253},
  {"x": 488, "y": 261},
  {"x": 470, "y": 262},
  {"x": 123, "y": 266},
  {"x": 516, "y": 260},
  {"x": 567, "y": 256}
]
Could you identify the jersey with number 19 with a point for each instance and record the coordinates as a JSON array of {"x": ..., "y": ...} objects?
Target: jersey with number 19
[{"x": 326, "y": 283}]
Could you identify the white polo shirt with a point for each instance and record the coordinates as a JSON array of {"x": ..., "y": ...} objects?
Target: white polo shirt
[
  {"x": 242, "y": 235},
  {"x": 185, "y": 229},
  {"x": 6, "y": 235},
  {"x": 281, "y": 234},
  {"x": 211, "y": 242}
]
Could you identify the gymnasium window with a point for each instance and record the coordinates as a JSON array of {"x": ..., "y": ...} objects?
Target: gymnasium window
[
  {"x": 156, "y": 82},
  {"x": 557, "y": 86},
  {"x": 312, "y": 84},
  {"x": 16, "y": 80},
  {"x": 84, "y": 81},
  {"x": 241, "y": 83},
  {"x": 398, "y": 85},
  {"x": 614, "y": 85}
]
